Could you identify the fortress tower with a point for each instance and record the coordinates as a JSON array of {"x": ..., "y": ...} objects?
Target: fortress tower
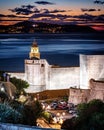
[
  {"x": 42, "y": 76},
  {"x": 36, "y": 70},
  {"x": 91, "y": 67},
  {"x": 34, "y": 53}
]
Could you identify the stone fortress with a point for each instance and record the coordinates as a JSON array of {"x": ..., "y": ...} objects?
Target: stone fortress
[{"x": 42, "y": 76}]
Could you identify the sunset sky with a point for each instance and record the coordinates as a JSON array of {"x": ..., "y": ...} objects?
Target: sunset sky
[{"x": 81, "y": 12}]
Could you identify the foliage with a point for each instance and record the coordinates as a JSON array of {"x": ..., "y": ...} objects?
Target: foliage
[
  {"x": 20, "y": 84},
  {"x": 3, "y": 96},
  {"x": 16, "y": 112},
  {"x": 97, "y": 121},
  {"x": 69, "y": 124},
  {"x": 1, "y": 75},
  {"x": 32, "y": 112},
  {"x": 47, "y": 116},
  {"x": 81, "y": 108},
  {"x": 65, "y": 98},
  {"x": 90, "y": 117},
  {"x": 9, "y": 115},
  {"x": 16, "y": 105}
]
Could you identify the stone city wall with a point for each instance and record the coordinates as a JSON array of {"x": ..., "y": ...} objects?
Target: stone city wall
[
  {"x": 18, "y": 75},
  {"x": 42, "y": 76},
  {"x": 83, "y": 72},
  {"x": 97, "y": 90},
  {"x": 78, "y": 95},
  {"x": 95, "y": 67},
  {"x": 64, "y": 77},
  {"x": 91, "y": 66}
]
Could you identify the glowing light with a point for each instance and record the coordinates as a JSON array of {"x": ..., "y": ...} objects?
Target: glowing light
[{"x": 2, "y": 89}]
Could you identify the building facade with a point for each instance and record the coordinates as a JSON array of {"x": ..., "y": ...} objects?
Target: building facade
[{"x": 42, "y": 76}]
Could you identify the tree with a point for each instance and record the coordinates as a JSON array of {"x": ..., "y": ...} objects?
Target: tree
[
  {"x": 20, "y": 84},
  {"x": 90, "y": 116},
  {"x": 1, "y": 75},
  {"x": 47, "y": 115},
  {"x": 3, "y": 96},
  {"x": 20, "y": 113},
  {"x": 9, "y": 115},
  {"x": 31, "y": 112},
  {"x": 69, "y": 124}
]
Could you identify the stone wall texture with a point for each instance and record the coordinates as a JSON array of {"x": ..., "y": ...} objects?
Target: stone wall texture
[
  {"x": 17, "y": 75},
  {"x": 42, "y": 76},
  {"x": 96, "y": 91},
  {"x": 77, "y": 96},
  {"x": 64, "y": 77},
  {"x": 36, "y": 74},
  {"x": 91, "y": 66}
]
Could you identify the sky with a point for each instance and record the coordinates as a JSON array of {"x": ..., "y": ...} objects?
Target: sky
[{"x": 74, "y": 12}]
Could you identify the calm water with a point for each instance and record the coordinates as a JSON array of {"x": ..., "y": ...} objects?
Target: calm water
[{"x": 58, "y": 49}]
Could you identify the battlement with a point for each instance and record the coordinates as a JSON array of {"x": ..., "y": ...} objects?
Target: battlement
[{"x": 41, "y": 61}]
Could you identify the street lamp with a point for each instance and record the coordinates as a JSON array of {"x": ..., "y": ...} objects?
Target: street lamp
[
  {"x": 60, "y": 117},
  {"x": 2, "y": 89}
]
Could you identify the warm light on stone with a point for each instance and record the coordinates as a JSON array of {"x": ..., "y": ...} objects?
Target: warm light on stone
[
  {"x": 34, "y": 53},
  {"x": 42, "y": 76},
  {"x": 91, "y": 66}
]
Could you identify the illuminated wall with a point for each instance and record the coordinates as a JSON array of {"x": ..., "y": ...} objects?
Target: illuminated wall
[
  {"x": 91, "y": 67},
  {"x": 64, "y": 77},
  {"x": 42, "y": 76},
  {"x": 36, "y": 74}
]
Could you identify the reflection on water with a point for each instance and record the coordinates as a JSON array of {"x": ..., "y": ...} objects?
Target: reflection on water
[{"x": 61, "y": 49}]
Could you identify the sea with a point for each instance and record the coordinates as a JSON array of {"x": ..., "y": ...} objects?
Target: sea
[{"x": 57, "y": 49}]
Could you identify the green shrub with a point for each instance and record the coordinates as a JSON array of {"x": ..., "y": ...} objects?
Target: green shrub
[
  {"x": 31, "y": 112},
  {"x": 20, "y": 84},
  {"x": 9, "y": 115},
  {"x": 18, "y": 113},
  {"x": 47, "y": 116},
  {"x": 90, "y": 117}
]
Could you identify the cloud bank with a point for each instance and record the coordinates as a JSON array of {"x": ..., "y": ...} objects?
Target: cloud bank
[
  {"x": 89, "y": 10},
  {"x": 43, "y": 3},
  {"x": 98, "y": 2}
]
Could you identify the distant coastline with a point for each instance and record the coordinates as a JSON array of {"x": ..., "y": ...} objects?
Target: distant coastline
[
  {"x": 76, "y": 35},
  {"x": 32, "y": 27}
]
